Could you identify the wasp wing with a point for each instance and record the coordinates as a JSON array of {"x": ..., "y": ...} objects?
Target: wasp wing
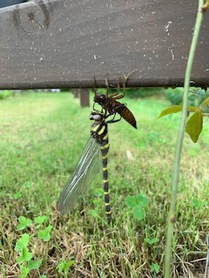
[{"x": 80, "y": 181}]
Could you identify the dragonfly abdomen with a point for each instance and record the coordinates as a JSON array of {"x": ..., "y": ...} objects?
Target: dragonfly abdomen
[
  {"x": 99, "y": 132},
  {"x": 104, "y": 151}
]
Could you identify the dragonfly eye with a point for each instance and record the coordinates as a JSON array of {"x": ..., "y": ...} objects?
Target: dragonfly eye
[{"x": 96, "y": 116}]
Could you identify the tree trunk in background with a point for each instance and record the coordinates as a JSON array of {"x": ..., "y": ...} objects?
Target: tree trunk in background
[{"x": 76, "y": 92}]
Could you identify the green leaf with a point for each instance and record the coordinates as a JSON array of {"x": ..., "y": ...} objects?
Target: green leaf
[
  {"x": 23, "y": 223},
  {"x": 151, "y": 241},
  {"x": 40, "y": 219},
  {"x": 65, "y": 265},
  {"x": 17, "y": 195},
  {"x": 201, "y": 92},
  {"x": 98, "y": 192},
  {"x": 198, "y": 204},
  {"x": 130, "y": 201},
  {"x": 23, "y": 271},
  {"x": 193, "y": 109},
  {"x": 194, "y": 125},
  {"x": 142, "y": 200},
  {"x": 139, "y": 213},
  {"x": 45, "y": 234},
  {"x": 175, "y": 109},
  {"x": 155, "y": 268},
  {"x": 93, "y": 212},
  {"x": 22, "y": 242},
  {"x": 34, "y": 264},
  {"x": 27, "y": 184},
  {"x": 25, "y": 256},
  {"x": 205, "y": 102},
  {"x": 170, "y": 110},
  {"x": 137, "y": 200}
]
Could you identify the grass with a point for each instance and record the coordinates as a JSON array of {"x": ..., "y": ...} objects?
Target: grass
[{"x": 42, "y": 137}]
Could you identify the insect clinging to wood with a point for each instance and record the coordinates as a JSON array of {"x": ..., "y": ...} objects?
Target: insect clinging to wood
[
  {"x": 111, "y": 104},
  {"x": 99, "y": 141}
]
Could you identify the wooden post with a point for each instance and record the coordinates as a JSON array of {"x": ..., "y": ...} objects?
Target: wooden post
[
  {"x": 76, "y": 92},
  {"x": 84, "y": 97}
]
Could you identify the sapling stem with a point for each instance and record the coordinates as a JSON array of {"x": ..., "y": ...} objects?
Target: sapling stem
[{"x": 179, "y": 143}]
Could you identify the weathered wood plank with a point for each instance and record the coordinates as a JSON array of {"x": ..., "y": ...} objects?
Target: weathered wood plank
[{"x": 65, "y": 43}]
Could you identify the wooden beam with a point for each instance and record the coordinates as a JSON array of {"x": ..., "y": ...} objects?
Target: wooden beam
[{"x": 65, "y": 43}]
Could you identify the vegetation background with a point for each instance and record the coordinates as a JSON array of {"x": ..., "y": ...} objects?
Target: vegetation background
[{"x": 42, "y": 138}]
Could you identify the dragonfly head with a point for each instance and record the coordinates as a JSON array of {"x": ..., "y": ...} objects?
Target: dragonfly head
[{"x": 96, "y": 116}]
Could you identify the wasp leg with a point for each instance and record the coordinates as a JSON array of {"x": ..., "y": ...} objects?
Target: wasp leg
[
  {"x": 117, "y": 95},
  {"x": 126, "y": 77},
  {"x": 113, "y": 120},
  {"x": 107, "y": 85}
]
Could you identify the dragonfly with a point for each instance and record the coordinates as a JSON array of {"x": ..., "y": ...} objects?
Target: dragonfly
[{"x": 80, "y": 181}]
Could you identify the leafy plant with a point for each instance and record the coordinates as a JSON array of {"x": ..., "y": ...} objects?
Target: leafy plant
[
  {"x": 45, "y": 234},
  {"x": 23, "y": 223},
  {"x": 17, "y": 195},
  {"x": 98, "y": 193},
  {"x": 143, "y": 92},
  {"x": 195, "y": 122},
  {"x": 22, "y": 247},
  {"x": 196, "y": 96},
  {"x": 175, "y": 96},
  {"x": 155, "y": 268},
  {"x": 39, "y": 220},
  {"x": 25, "y": 256},
  {"x": 151, "y": 241},
  {"x": 64, "y": 266},
  {"x": 198, "y": 204},
  {"x": 5, "y": 94},
  {"x": 199, "y": 108},
  {"x": 137, "y": 205},
  {"x": 194, "y": 136}
]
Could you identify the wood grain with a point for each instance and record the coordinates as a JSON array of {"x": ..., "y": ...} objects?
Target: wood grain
[{"x": 67, "y": 43}]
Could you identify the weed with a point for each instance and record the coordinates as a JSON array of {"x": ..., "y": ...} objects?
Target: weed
[
  {"x": 137, "y": 205},
  {"x": 64, "y": 266}
]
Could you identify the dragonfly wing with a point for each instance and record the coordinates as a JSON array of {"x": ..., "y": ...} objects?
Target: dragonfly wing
[{"x": 80, "y": 181}]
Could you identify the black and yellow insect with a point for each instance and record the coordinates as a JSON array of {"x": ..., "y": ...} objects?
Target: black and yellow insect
[{"x": 79, "y": 181}]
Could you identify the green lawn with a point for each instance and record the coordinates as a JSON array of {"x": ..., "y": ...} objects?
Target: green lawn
[{"x": 41, "y": 139}]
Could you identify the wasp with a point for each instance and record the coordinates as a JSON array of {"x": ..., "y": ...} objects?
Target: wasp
[{"x": 111, "y": 104}]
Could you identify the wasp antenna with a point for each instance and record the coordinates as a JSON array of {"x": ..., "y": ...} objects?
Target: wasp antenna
[
  {"x": 124, "y": 83},
  {"x": 106, "y": 83},
  {"x": 118, "y": 86}
]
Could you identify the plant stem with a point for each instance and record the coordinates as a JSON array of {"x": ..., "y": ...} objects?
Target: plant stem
[{"x": 179, "y": 143}]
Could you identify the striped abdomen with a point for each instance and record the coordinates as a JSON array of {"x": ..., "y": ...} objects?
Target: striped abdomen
[
  {"x": 99, "y": 131},
  {"x": 104, "y": 151}
]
